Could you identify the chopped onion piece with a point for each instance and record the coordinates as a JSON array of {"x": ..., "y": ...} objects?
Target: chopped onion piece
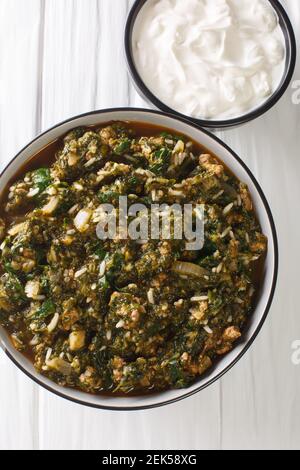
[
  {"x": 189, "y": 269},
  {"x": 16, "y": 229},
  {"x": 53, "y": 324},
  {"x": 32, "y": 289},
  {"x": 82, "y": 219},
  {"x": 51, "y": 206}
]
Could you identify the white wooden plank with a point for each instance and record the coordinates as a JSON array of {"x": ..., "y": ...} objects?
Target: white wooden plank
[
  {"x": 101, "y": 81},
  {"x": 20, "y": 31},
  {"x": 70, "y": 63},
  {"x": 187, "y": 425},
  {"x": 264, "y": 412},
  {"x": 69, "y": 59},
  {"x": 19, "y": 73}
]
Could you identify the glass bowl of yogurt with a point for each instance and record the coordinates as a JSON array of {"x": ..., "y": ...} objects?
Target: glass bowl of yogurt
[{"x": 220, "y": 63}]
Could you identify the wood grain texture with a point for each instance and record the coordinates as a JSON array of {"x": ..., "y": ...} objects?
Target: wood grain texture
[{"x": 63, "y": 57}]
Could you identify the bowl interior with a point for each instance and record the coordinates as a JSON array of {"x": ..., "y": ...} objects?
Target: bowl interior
[
  {"x": 290, "y": 61},
  {"x": 263, "y": 212}
]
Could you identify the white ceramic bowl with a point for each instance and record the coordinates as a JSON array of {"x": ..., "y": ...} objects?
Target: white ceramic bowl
[
  {"x": 146, "y": 93},
  {"x": 235, "y": 164}
]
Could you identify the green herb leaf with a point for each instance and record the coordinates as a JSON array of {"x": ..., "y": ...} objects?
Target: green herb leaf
[
  {"x": 8, "y": 268},
  {"x": 100, "y": 252},
  {"x": 122, "y": 146},
  {"x": 108, "y": 196},
  {"x": 161, "y": 161},
  {"x": 16, "y": 288},
  {"x": 169, "y": 136},
  {"x": 48, "y": 308},
  {"x": 41, "y": 178}
]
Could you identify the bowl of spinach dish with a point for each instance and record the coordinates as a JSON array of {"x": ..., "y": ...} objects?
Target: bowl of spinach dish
[{"x": 100, "y": 305}]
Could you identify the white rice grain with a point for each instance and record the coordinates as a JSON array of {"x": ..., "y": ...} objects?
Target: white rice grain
[
  {"x": 90, "y": 162},
  {"x": 80, "y": 273},
  {"x": 73, "y": 209},
  {"x": 150, "y": 295},
  {"x": 102, "y": 269},
  {"x": 48, "y": 354},
  {"x": 33, "y": 192},
  {"x": 34, "y": 341},
  {"x": 53, "y": 324},
  {"x": 181, "y": 158},
  {"x": 218, "y": 195},
  {"x": 39, "y": 297},
  {"x": 108, "y": 335},
  {"x": 219, "y": 268},
  {"x": 208, "y": 330},
  {"x": 78, "y": 187},
  {"x": 175, "y": 193},
  {"x": 226, "y": 232},
  {"x": 200, "y": 298},
  {"x": 228, "y": 208},
  {"x": 141, "y": 242},
  {"x": 142, "y": 172}
]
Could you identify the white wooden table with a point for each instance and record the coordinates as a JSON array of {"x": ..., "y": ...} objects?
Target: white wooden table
[{"x": 59, "y": 58}]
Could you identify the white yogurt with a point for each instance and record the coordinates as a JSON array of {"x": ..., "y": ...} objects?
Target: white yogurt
[{"x": 211, "y": 59}]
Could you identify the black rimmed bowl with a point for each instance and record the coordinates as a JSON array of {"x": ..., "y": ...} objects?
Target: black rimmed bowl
[
  {"x": 290, "y": 62},
  {"x": 264, "y": 296}
]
